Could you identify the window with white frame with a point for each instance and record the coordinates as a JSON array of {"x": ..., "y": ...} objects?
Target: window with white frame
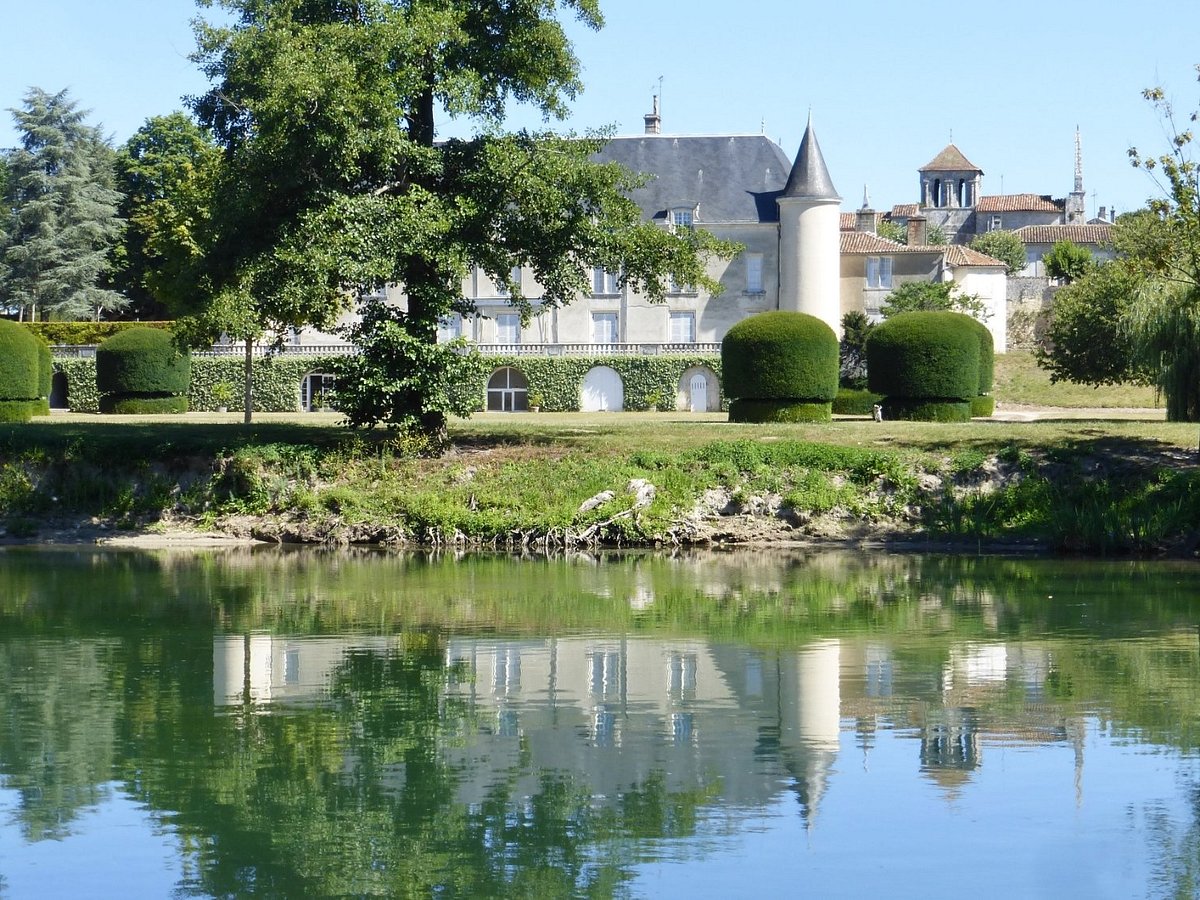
[
  {"x": 604, "y": 281},
  {"x": 996, "y": 223},
  {"x": 508, "y": 328},
  {"x": 682, "y": 217},
  {"x": 682, "y": 328},
  {"x": 605, "y": 328},
  {"x": 754, "y": 273},
  {"x": 879, "y": 271}
]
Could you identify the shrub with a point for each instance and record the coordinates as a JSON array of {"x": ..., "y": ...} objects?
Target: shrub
[
  {"x": 924, "y": 356},
  {"x": 987, "y": 356},
  {"x": 86, "y": 332},
  {"x": 144, "y": 406},
  {"x": 778, "y": 411},
  {"x": 982, "y": 406},
  {"x": 917, "y": 410},
  {"x": 19, "y": 372},
  {"x": 45, "y": 378},
  {"x": 141, "y": 364},
  {"x": 855, "y": 403},
  {"x": 780, "y": 356}
]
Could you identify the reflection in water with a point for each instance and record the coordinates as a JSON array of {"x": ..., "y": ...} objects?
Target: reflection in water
[{"x": 310, "y": 725}]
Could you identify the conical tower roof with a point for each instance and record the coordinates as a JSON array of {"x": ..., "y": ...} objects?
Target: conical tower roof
[
  {"x": 810, "y": 179},
  {"x": 950, "y": 160}
]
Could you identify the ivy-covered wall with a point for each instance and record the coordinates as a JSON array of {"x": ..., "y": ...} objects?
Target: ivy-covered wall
[
  {"x": 649, "y": 382},
  {"x": 276, "y": 381}
]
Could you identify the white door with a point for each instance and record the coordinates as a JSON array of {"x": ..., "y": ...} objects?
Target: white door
[
  {"x": 698, "y": 389},
  {"x": 602, "y": 391}
]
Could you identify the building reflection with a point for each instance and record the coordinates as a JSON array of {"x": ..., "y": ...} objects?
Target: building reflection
[{"x": 757, "y": 723}]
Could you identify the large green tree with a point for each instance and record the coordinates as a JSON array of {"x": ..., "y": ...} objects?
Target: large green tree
[
  {"x": 1004, "y": 246},
  {"x": 165, "y": 174},
  {"x": 1087, "y": 340},
  {"x": 1164, "y": 251},
  {"x": 1068, "y": 261},
  {"x": 334, "y": 185},
  {"x": 59, "y": 219}
]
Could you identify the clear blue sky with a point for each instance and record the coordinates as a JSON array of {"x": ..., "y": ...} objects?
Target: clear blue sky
[{"x": 887, "y": 82}]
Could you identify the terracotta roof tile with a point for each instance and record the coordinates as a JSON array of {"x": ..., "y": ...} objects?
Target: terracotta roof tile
[
  {"x": 862, "y": 242},
  {"x": 904, "y": 210},
  {"x": 1076, "y": 234},
  {"x": 847, "y": 221},
  {"x": 998, "y": 203},
  {"x": 958, "y": 255}
]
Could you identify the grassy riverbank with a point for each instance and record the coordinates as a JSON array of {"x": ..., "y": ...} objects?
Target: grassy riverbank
[{"x": 1100, "y": 485}]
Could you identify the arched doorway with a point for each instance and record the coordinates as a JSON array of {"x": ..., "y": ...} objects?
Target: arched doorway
[
  {"x": 59, "y": 394},
  {"x": 507, "y": 391},
  {"x": 602, "y": 391},
  {"x": 316, "y": 391},
  {"x": 699, "y": 390}
]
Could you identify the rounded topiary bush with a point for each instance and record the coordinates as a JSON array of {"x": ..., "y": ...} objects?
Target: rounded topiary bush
[
  {"x": 142, "y": 371},
  {"x": 926, "y": 364},
  {"x": 780, "y": 367},
  {"x": 19, "y": 373},
  {"x": 984, "y": 404}
]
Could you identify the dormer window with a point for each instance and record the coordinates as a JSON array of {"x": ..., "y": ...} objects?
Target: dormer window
[{"x": 682, "y": 216}]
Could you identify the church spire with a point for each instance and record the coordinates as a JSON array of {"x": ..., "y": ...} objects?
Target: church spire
[
  {"x": 1078, "y": 163},
  {"x": 1077, "y": 201}
]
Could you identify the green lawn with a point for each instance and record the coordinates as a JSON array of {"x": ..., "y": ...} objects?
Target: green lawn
[{"x": 1019, "y": 381}]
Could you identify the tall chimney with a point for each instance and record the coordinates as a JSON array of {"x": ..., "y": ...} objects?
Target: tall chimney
[
  {"x": 653, "y": 119},
  {"x": 918, "y": 231}
]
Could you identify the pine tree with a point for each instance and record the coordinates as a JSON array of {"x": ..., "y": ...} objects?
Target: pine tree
[{"x": 59, "y": 217}]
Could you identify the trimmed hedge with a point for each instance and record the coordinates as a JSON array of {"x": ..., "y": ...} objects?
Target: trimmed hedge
[
  {"x": 917, "y": 410},
  {"x": 45, "y": 378},
  {"x": 850, "y": 402},
  {"x": 19, "y": 410},
  {"x": 982, "y": 406},
  {"x": 648, "y": 382},
  {"x": 781, "y": 356},
  {"x": 142, "y": 361},
  {"x": 924, "y": 356},
  {"x": 144, "y": 406},
  {"x": 86, "y": 333},
  {"x": 19, "y": 372},
  {"x": 779, "y": 411},
  {"x": 276, "y": 381}
]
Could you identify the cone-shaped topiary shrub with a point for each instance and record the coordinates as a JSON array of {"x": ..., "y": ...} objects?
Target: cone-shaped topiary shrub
[
  {"x": 19, "y": 368},
  {"x": 142, "y": 371},
  {"x": 780, "y": 367},
  {"x": 926, "y": 364}
]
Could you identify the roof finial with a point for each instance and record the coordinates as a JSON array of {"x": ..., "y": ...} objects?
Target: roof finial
[{"x": 866, "y": 198}]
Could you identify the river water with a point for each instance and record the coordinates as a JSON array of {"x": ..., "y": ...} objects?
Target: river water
[{"x": 301, "y": 724}]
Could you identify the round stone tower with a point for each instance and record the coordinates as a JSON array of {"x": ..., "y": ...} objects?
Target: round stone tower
[{"x": 809, "y": 248}]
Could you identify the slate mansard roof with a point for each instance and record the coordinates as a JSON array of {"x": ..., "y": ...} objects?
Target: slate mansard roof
[{"x": 727, "y": 178}]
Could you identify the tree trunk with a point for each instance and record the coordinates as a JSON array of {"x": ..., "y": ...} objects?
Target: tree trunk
[{"x": 248, "y": 373}]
